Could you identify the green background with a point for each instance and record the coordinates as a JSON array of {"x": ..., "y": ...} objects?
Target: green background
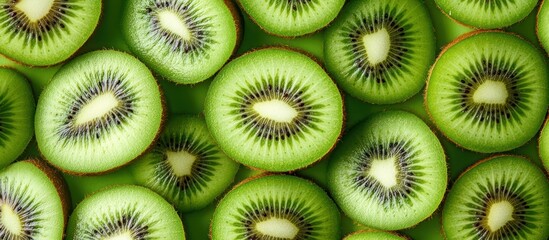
[{"x": 190, "y": 99}]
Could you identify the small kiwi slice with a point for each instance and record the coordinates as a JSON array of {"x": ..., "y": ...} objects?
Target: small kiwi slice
[
  {"x": 504, "y": 197},
  {"x": 487, "y": 14},
  {"x": 380, "y": 50},
  {"x": 542, "y": 25},
  {"x": 186, "y": 167},
  {"x": 99, "y": 112},
  {"x": 34, "y": 202},
  {"x": 364, "y": 235},
  {"x": 487, "y": 91},
  {"x": 544, "y": 146},
  {"x": 275, "y": 207},
  {"x": 186, "y": 41},
  {"x": 46, "y": 32},
  {"x": 291, "y": 18},
  {"x": 16, "y": 115},
  {"x": 389, "y": 172},
  {"x": 274, "y": 109},
  {"x": 125, "y": 212}
]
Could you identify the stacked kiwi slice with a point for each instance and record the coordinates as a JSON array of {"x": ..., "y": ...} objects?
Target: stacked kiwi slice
[
  {"x": 372, "y": 235},
  {"x": 542, "y": 25},
  {"x": 544, "y": 146}
]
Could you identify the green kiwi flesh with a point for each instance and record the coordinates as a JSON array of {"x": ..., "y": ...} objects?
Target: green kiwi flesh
[
  {"x": 505, "y": 197},
  {"x": 186, "y": 166},
  {"x": 16, "y": 115},
  {"x": 380, "y": 51},
  {"x": 46, "y": 32},
  {"x": 374, "y": 236},
  {"x": 125, "y": 212},
  {"x": 544, "y": 146},
  {"x": 276, "y": 207},
  {"x": 185, "y": 41},
  {"x": 542, "y": 25},
  {"x": 99, "y": 112},
  {"x": 389, "y": 172},
  {"x": 487, "y": 91},
  {"x": 274, "y": 109}
]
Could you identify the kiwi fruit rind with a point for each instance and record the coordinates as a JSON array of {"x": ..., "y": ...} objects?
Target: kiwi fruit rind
[
  {"x": 275, "y": 207},
  {"x": 503, "y": 197},
  {"x": 99, "y": 112},
  {"x": 186, "y": 166},
  {"x": 185, "y": 41},
  {"x": 46, "y": 32},
  {"x": 542, "y": 25},
  {"x": 34, "y": 201},
  {"x": 543, "y": 146},
  {"x": 125, "y": 212},
  {"x": 16, "y": 115},
  {"x": 487, "y": 14},
  {"x": 488, "y": 91},
  {"x": 388, "y": 172},
  {"x": 374, "y": 235}
]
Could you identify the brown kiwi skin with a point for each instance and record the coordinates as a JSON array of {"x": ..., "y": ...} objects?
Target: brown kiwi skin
[{"x": 540, "y": 4}]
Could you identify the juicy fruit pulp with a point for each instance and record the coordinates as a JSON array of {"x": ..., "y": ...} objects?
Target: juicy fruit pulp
[{"x": 542, "y": 26}]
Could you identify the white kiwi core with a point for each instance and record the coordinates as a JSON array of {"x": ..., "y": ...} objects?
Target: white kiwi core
[
  {"x": 278, "y": 228},
  {"x": 491, "y": 92},
  {"x": 384, "y": 171},
  {"x": 181, "y": 162},
  {"x": 377, "y": 45},
  {"x": 127, "y": 235},
  {"x": 276, "y": 110},
  {"x": 499, "y": 214},
  {"x": 34, "y": 9},
  {"x": 171, "y": 22},
  {"x": 10, "y": 220},
  {"x": 97, "y": 108}
]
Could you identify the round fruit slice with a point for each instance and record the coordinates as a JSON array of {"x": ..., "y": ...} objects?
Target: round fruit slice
[
  {"x": 276, "y": 207},
  {"x": 125, "y": 212},
  {"x": 380, "y": 50},
  {"x": 542, "y": 25},
  {"x": 544, "y": 146},
  {"x": 374, "y": 236},
  {"x": 186, "y": 166},
  {"x": 46, "y": 32},
  {"x": 504, "y": 197},
  {"x": 99, "y": 112},
  {"x": 186, "y": 41},
  {"x": 487, "y": 14},
  {"x": 16, "y": 115},
  {"x": 487, "y": 91},
  {"x": 34, "y": 202},
  {"x": 274, "y": 109},
  {"x": 389, "y": 172},
  {"x": 292, "y": 18}
]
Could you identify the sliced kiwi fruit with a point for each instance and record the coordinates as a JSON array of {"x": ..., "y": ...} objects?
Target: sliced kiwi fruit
[
  {"x": 46, "y": 32},
  {"x": 504, "y": 197},
  {"x": 16, "y": 115},
  {"x": 125, "y": 212},
  {"x": 186, "y": 41},
  {"x": 275, "y": 207},
  {"x": 291, "y": 18},
  {"x": 365, "y": 235},
  {"x": 542, "y": 25},
  {"x": 34, "y": 201},
  {"x": 186, "y": 166},
  {"x": 389, "y": 172},
  {"x": 274, "y": 109},
  {"x": 99, "y": 112},
  {"x": 487, "y": 91},
  {"x": 544, "y": 146},
  {"x": 487, "y": 14},
  {"x": 380, "y": 51}
]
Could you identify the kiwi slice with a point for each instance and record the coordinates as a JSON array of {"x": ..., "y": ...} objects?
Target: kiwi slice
[
  {"x": 276, "y": 207},
  {"x": 186, "y": 41},
  {"x": 544, "y": 146},
  {"x": 16, "y": 115},
  {"x": 186, "y": 166},
  {"x": 504, "y": 197},
  {"x": 46, "y": 32},
  {"x": 99, "y": 112},
  {"x": 487, "y": 14},
  {"x": 125, "y": 212},
  {"x": 274, "y": 109},
  {"x": 34, "y": 202},
  {"x": 542, "y": 25},
  {"x": 291, "y": 18},
  {"x": 389, "y": 172},
  {"x": 374, "y": 236},
  {"x": 487, "y": 91},
  {"x": 380, "y": 51}
]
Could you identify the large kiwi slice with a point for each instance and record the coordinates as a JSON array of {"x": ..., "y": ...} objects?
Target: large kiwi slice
[
  {"x": 505, "y": 197},
  {"x": 544, "y": 146},
  {"x": 487, "y": 91},
  {"x": 380, "y": 50},
  {"x": 186, "y": 41},
  {"x": 34, "y": 202},
  {"x": 276, "y": 207},
  {"x": 125, "y": 212},
  {"x": 16, "y": 115},
  {"x": 542, "y": 25},
  {"x": 292, "y": 18},
  {"x": 389, "y": 172},
  {"x": 365, "y": 235},
  {"x": 487, "y": 14},
  {"x": 46, "y": 32},
  {"x": 186, "y": 167},
  {"x": 100, "y": 111},
  {"x": 274, "y": 109}
]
